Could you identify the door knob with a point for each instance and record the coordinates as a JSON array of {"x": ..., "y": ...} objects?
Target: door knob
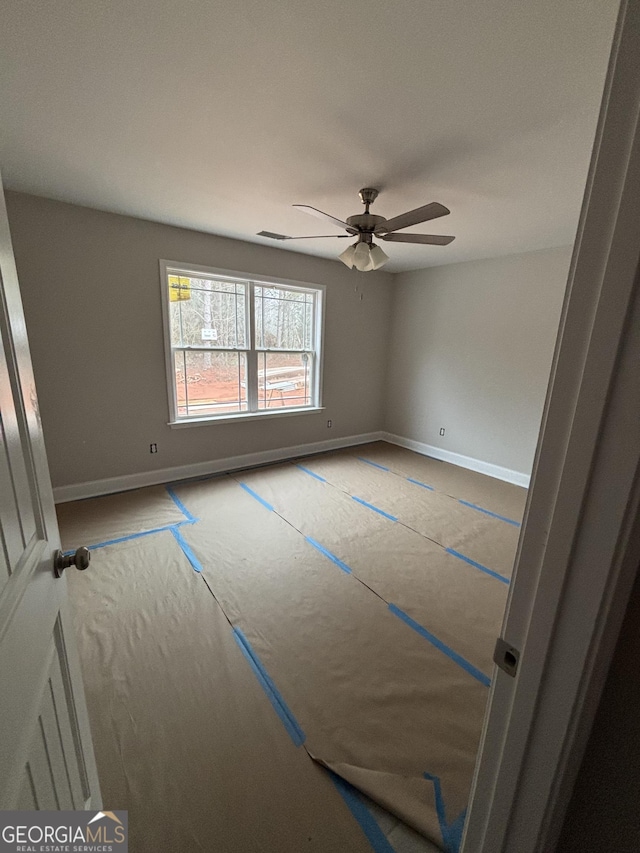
[{"x": 80, "y": 560}]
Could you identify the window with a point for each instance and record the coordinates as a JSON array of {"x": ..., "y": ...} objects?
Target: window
[{"x": 237, "y": 346}]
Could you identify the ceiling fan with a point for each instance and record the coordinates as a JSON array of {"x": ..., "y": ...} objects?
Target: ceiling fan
[{"x": 364, "y": 254}]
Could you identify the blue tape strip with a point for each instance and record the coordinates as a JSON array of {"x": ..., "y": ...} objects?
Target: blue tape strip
[
  {"x": 488, "y": 512},
  {"x": 180, "y": 505},
  {"x": 257, "y": 497},
  {"x": 332, "y": 557},
  {"x": 279, "y": 705},
  {"x": 374, "y": 464},
  {"x": 449, "y": 652},
  {"x": 478, "y": 566},
  {"x": 186, "y": 548},
  {"x": 451, "y": 832},
  {"x": 374, "y": 508},
  {"x": 311, "y": 473},
  {"x": 455, "y": 832},
  {"x": 131, "y": 536},
  {"x": 368, "y": 824},
  {"x": 418, "y": 483}
]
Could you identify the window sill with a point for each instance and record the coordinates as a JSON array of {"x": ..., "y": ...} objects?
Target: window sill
[{"x": 244, "y": 416}]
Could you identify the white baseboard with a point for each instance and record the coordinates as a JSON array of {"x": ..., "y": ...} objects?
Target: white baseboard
[
  {"x": 94, "y": 488},
  {"x": 497, "y": 471},
  {"x": 126, "y": 482}
]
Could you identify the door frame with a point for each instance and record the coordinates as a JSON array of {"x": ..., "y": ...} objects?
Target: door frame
[{"x": 579, "y": 550}]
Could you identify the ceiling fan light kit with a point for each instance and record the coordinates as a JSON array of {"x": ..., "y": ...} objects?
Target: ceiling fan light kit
[
  {"x": 378, "y": 257},
  {"x": 363, "y": 257},
  {"x": 364, "y": 254},
  {"x": 347, "y": 256}
]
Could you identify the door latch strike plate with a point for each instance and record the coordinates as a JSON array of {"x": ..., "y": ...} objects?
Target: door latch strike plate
[{"x": 506, "y": 657}]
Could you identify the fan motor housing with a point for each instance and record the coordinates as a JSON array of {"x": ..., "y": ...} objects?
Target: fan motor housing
[{"x": 367, "y": 222}]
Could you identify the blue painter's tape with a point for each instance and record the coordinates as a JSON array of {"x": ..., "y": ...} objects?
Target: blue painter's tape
[
  {"x": 311, "y": 473},
  {"x": 449, "y": 652},
  {"x": 478, "y": 566},
  {"x": 451, "y": 832},
  {"x": 368, "y": 824},
  {"x": 374, "y": 508},
  {"x": 279, "y": 705},
  {"x": 180, "y": 505},
  {"x": 418, "y": 483},
  {"x": 455, "y": 832},
  {"x": 186, "y": 548},
  {"x": 374, "y": 464},
  {"x": 492, "y": 514},
  {"x": 332, "y": 557},
  {"x": 131, "y": 536},
  {"x": 257, "y": 497}
]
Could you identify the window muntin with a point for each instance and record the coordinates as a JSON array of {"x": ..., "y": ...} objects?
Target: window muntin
[{"x": 236, "y": 346}]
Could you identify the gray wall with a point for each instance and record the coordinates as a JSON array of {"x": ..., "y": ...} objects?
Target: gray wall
[
  {"x": 90, "y": 286},
  {"x": 471, "y": 349},
  {"x": 464, "y": 346}
]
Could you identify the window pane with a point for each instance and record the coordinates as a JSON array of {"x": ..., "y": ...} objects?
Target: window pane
[
  {"x": 181, "y": 384},
  {"x": 210, "y": 314},
  {"x": 174, "y": 323},
  {"x": 210, "y": 383},
  {"x": 284, "y": 318},
  {"x": 284, "y": 379}
]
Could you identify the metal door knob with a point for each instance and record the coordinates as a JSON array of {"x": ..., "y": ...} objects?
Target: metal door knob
[{"x": 80, "y": 560}]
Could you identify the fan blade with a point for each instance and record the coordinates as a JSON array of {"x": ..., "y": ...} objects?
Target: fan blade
[
  {"x": 274, "y": 236},
  {"x": 430, "y": 239},
  {"x": 414, "y": 217},
  {"x": 314, "y": 212}
]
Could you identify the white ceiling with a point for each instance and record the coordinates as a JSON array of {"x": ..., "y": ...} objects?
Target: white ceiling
[{"x": 219, "y": 116}]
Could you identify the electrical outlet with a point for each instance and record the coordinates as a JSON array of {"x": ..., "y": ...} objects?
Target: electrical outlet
[
  {"x": 441, "y": 430},
  {"x": 329, "y": 424},
  {"x": 153, "y": 448}
]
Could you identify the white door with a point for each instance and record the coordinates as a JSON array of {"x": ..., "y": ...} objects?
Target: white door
[{"x": 46, "y": 755}]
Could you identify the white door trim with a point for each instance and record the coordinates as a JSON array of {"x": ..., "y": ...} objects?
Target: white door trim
[{"x": 577, "y": 556}]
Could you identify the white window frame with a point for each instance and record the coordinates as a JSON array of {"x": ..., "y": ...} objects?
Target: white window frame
[{"x": 251, "y": 351}]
